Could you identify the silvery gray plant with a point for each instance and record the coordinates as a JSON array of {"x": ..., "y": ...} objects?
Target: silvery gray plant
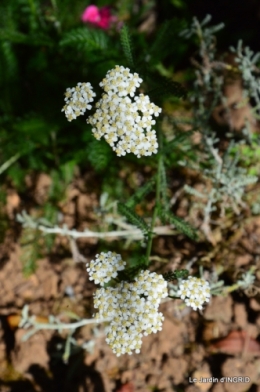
[{"x": 227, "y": 177}]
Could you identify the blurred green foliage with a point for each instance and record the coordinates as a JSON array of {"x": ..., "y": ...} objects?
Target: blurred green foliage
[{"x": 45, "y": 48}]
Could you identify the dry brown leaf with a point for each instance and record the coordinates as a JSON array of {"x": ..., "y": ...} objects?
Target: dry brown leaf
[
  {"x": 129, "y": 387},
  {"x": 237, "y": 342},
  {"x": 13, "y": 320}
]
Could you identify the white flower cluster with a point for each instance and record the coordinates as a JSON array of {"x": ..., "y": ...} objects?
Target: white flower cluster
[
  {"x": 77, "y": 100},
  {"x": 194, "y": 291},
  {"x": 105, "y": 267},
  {"x": 131, "y": 306},
  {"x": 125, "y": 124}
]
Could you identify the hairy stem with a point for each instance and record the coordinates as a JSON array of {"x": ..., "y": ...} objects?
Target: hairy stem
[{"x": 157, "y": 199}]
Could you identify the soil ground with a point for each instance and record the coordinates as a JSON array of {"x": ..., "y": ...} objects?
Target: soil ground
[{"x": 221, "y": 341}]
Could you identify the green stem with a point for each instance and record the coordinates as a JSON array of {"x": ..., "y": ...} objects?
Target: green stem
[
  {"x": 157, "y": 199},
  {"x": 10, "y": 161}
]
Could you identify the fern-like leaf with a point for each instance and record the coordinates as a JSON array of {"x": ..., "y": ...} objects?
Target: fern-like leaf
[
  {"x": 166, "y": 40},
  {"x": 8, "y": 75},
  {"x": 17, "y": 37},
  {"x": 164, "y": 86},
  {"x": 29, "y": 242},
  {"x": 128, "y": 274},
  {"x": 133, "y": 218},
  {"x": 141, "y": 193},
  {"x": 13, "y": 36},
  {"x": 8, "y": 61},
  {"x": 100, "y": 154},
  {"x": 179, "y": 223},
  {"x": 162, "y": 44},
  {"x": 127, "y": 46},
  {"x": 181, "y": 137},
  {"x": 161, "y": 37},
  {"x": 81, "y": 37},
  {"x": 183, "y": 227}
]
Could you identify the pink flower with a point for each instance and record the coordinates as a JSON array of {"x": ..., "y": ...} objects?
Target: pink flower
[{"x": 99, "y": 17}]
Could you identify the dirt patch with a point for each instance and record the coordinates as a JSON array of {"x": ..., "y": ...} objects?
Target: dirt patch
[{"x": 221, "y": 341}]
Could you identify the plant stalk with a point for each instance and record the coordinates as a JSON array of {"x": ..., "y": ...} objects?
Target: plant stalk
[{"x": 157, "y": 200}]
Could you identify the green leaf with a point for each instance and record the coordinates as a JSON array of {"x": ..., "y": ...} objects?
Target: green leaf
[
  {"x": 83, "y": 37},
  {"x": 178, "y": 274},
  {"x": 160, "y": 38},
  {"x": 141, "y": 193},
  {"x": 29, "y": 243},
  {"x": 128, "y": 274},
  {"x": 17, "y": 37},
  {"x": 68, "y": 171},
  {"x": 161, "y": 42},
  {"x": 99, "y": 154},
  {"x": 60, "y": 180},
  {"x": 34, "y": 128},
  {"x": 164, "y": 86},
  {"x": 183, "y": 227},
  {"x": 13, "y": 36},
  {"x": 179, "y": 223},
  {"x": 127, "y": 45},
  {"x": 181, "y": 137},
  {"x": 133, "y": 218},
  {"x": 17, "y": 174},
  {"x": 166, "y": 43},
  {"x": 9, "y": 67}
]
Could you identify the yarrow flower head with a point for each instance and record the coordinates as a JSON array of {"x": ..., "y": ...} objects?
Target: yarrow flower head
[
  {"x": 132, "y": 308},
  {"x": 77, "y": 100},
  {"x": 194, "y": 292},
  {"x": 125, "y": 123},
  {"x": 105, "y": 267},
  {"x": 123, "y": 118},
  {"x": 121, "y": 81}
]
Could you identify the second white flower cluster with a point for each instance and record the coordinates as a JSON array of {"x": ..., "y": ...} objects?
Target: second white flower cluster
[
  {"x": 78, "y": 100},
  {"x": 132, "y": 306},
  {"x": 194, "y": 292}
]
